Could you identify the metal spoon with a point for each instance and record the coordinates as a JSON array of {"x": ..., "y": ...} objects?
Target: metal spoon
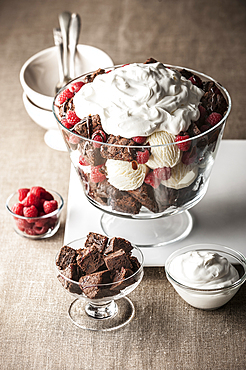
[
  {"x": 64, "y": 20},
  {"x": 58, "y": 42},
  {"x": 74, "y": 31}
]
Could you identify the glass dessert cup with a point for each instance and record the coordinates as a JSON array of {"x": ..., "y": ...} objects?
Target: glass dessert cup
[
  {"x": 208, "y": 298},
  {"x": 102, "y": 313},
  {"x": 153, "y": 212},
  {"x": 41, "y": 227}
]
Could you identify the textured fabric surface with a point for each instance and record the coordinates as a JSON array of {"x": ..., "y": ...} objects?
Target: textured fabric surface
[{"x": 166, "y": 333}]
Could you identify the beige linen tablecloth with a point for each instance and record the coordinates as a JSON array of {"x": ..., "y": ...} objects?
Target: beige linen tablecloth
[{"x": 166, "y": 333}]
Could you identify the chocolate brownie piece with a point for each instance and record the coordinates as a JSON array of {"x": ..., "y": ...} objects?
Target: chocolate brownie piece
[
  {"x": 88, "y": 126},
  {"x": 99, "y": 191},
  {"x": 66, "y": 256},
  {"x": 135, "y": 263},
  {"x": 89, "y": 259},
  {"x": 145, "y": 194},
  {"x": 116, "y": 244},
  {"x": 124, "y": 153},
  {"x": 193, "y": 130},
  {"x": 118, "y": 259},
  {"x": 71, "y": 272},
  {"x": 165, "y": 197},
  {"x": 100, "y": 241},
  {"x": 122, "y": 201},
  {"x": 91, "y": 154},
  {"x": 91, "y": 77},
  {"x": 119, "y": 280},
  {"x": 213, "y": 100},
  {"x": 89, "y": 284}
]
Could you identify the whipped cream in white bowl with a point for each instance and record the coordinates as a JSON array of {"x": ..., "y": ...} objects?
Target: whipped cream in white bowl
[{"x": 206, "y": 276}]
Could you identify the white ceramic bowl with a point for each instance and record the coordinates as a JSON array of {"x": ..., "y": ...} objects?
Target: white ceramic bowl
[
  {"x": 43, "y": 117},
  {"x": 39, "y": 74},
  {"x": 208, "y": 298}
]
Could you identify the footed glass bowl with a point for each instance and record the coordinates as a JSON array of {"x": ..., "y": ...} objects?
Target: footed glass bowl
[
  {"x": 95, "y": 307},
  {"x": 146, "y": 203},
  {"x": 41, "y": 227}
]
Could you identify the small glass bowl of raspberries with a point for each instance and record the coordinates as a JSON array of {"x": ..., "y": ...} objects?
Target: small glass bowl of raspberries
[{"x": 35, "y": 212}]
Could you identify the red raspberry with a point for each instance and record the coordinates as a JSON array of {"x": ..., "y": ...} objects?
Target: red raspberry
[
  {"x": 30, "y": 211},
  {"x": 65, "y": 123},
  {"x": 18, "y": 209},
  {"x": 63, "y": 96},
  {"x": 22, "y": 224},
  {"x": 163, "y": 173},
  {"x": 143, "y": 157},
  {"x": 40, "y": 230},
  {"x": 31, "y": 200},
  {"x": 30, "y": 231},
  {"x": 76, "y": 86},
  {"x": 183, "y": 146},
  {"x": 195, "y": 80},
  {"x": 73, "y": 139},
  {"x": 72, "y": 117},
  {"x": 22, "y": 193},
  {"x": 38, "y": 191},
  {"x": 82, "y": 161},
  {"x": 42, "y": 221},
  {"x": 47, "y": 196},
  {"x": 50, "y": 206},
  {"x": 139, "y": 139},
  {"x": 189, "y": 157},
  {"x": 96, "y": 175},
  {"x": 150, "y": 179},
  {"x": 214, "y": 118},
  {"x": 99, "y": 136},
  {"x": 204, "y": 128}
]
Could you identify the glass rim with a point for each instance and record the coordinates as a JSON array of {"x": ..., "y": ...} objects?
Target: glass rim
[
  {"x": 215, "y": 248},
  {"x": 140, "y": 269},
  {"x": 48, "y": 215},
  {"x": 203, "y": 134}
]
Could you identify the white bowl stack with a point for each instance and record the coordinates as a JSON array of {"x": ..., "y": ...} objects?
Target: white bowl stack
[{"x": 39, "y": 76}]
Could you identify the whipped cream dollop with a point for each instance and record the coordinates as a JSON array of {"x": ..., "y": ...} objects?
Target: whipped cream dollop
[
  {"x": 203, "y": 269},
  {"x": 139, "y": 99},
  {"x": 125, "y": 175}
]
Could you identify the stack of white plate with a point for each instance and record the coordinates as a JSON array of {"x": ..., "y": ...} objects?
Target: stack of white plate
[{"x": 39, "y": 76}]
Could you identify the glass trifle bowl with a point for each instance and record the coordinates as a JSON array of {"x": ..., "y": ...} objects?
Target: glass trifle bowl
[{"x": 143, "y": 139}]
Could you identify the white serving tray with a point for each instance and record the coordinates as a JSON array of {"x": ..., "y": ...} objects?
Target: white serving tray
[{"x": 219, "y": 218}]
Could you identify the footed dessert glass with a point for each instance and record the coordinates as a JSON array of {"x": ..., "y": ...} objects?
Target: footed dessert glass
[
  {"x": 102, "y": 313},
  {"x": 145, "y": 190}
]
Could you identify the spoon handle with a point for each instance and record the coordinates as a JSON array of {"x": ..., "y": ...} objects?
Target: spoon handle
[
  {"x": 64, "y": 20},
  {"x": 74, "y": 32},
  {"x": 58, "y": 42}
]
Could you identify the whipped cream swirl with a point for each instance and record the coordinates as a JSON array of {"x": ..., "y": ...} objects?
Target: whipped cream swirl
[{"x": 139, "y": 99}]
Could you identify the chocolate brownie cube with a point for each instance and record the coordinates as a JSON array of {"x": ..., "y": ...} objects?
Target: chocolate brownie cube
[
  {"x": 122, "y": 201},
  {"x": 135, "y": 263},
  {"x": 66, "y": 256},
  {"x": 100, "y": 241},
  {"x": 118, "y": 243},
  {"x": 89, "y": 259},
  {"x": 88, "y": 126},
  {"x": 89, "y": 284},
  {"x": 118, "y": 259},
  {"x": 145, "y": 194},
  {"x": 71, "y": 272},
  {"x": 120, "y": 150},
  {"x": 119, "y": 280}
]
